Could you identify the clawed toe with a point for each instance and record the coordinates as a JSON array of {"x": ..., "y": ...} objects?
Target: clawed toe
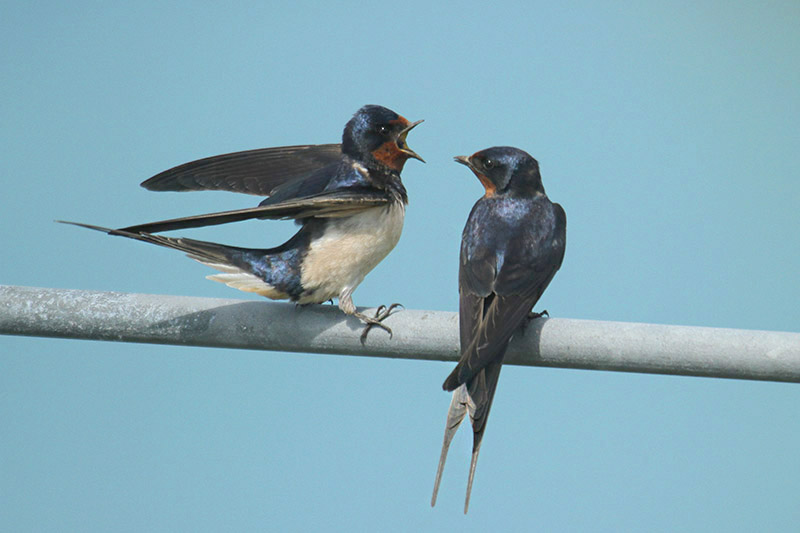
[
  {"x": 532, "y": 316},
  {"x": 383, "y": 311},
  {"x": 380, "y": 314},
  {"x": 371, "y": 323}
]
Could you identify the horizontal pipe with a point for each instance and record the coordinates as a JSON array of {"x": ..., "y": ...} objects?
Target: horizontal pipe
[{"x": 427, "y": 335}]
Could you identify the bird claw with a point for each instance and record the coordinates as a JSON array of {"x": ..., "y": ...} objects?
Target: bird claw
[
  {"x": 532, "y": 316},
  {"x": 380, "y": 314}
]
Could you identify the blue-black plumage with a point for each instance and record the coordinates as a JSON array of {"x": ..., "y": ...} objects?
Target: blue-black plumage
[
  {"x": 512, "y": 245},
  {"x": 348, "y": 199}
]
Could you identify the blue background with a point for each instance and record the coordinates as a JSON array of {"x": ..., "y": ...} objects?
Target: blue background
[{"x": 669, "y": 131}]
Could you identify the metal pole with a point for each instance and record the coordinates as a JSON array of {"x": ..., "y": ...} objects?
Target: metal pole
[{"x": 427, "y": 335}]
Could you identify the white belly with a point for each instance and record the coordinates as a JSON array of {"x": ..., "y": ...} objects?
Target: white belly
[{"x": 349, "y": 250}]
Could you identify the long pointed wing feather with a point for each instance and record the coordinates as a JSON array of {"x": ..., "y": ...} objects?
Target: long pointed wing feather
[
  {"x": 327, "y": 204},
  {"x": 502, "y": 317},
  {"x": 256, "y": 172}
]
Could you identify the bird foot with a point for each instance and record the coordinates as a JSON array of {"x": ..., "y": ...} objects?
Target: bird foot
[
  {"x": 532, "y": 316},
  {"x": 380, "y": 314}
]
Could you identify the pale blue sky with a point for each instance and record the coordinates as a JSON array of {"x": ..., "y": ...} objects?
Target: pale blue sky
[{"x": 669, "y": 131}]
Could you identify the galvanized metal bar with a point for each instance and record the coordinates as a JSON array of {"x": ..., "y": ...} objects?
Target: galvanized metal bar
[{"x": 428, "y": 335}]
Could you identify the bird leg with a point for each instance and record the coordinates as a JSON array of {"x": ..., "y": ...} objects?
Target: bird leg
[{"x": 348, "y": 307}]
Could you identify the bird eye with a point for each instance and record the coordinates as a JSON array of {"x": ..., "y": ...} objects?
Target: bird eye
[
  {"x": 383, "y": 129},
  {"x": 488, "y": 163}
]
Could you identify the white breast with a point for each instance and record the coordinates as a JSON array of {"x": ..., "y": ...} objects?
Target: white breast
[{"x": 351, "y": 247}]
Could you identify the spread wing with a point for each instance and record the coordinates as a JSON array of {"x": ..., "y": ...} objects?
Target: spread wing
[
  {"x": 327, "y": 204},
  {"x": 256, "y": 172}
]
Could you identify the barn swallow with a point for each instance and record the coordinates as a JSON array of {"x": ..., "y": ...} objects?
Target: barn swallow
[
  {"x": 511, "y": 247},
  {"x": 348, "y": 199}
]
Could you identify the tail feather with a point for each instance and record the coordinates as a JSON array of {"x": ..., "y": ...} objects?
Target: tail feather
[
  {"x": 481, "y": 393},
  {"x": 474, "y": 397},
  {"x": 206, "y": 252},
  {"x": 227, "y": 259},
  {"x": 455, "y": 414}
]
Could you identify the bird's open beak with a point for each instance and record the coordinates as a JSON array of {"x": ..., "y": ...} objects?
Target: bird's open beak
[{"x": 401, "y": 141}]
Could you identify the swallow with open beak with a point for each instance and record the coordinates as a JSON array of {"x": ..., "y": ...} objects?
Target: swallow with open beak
[{"x": 348, "y": 199}]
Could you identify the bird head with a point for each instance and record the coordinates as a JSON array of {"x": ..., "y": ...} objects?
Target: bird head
[
  {"x": 377, "y": 134},
  {"x": 502, "y": 169}
]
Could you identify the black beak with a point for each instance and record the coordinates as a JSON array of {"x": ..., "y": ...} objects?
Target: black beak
[{"x": 401, "y": 141}]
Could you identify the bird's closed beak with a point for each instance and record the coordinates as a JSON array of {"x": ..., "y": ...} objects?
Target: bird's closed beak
[
  {"x": 401, "y": 141},
  {"x": 463, "y": 159}
]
